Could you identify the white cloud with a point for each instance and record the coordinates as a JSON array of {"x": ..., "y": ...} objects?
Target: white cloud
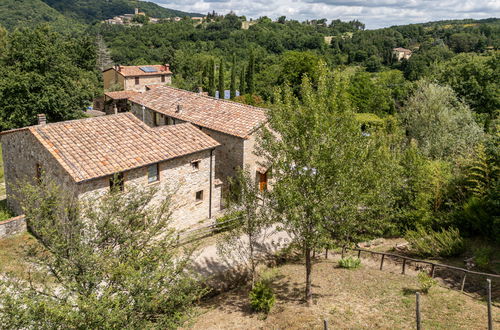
[{"x": 374, "y": 13}]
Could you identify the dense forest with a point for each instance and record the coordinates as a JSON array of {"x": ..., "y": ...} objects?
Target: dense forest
[{"x": 438, "y": 111}]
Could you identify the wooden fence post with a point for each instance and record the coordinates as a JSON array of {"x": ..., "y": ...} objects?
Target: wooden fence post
[
  {"x": 417, "y": 296},
  {"x": 404, "y": 266},
  {"x": 432, "y": 270},
  {"x": 325, "y": 324},
  {"x": 343, "y": 250},
  {"x": 326, "y": 253},
  {"x": 490, "y": 317},
  {"x": 382, "y": 262},
  {"x": 359, "y": 254},
  {"x": 463, "y": 281}
]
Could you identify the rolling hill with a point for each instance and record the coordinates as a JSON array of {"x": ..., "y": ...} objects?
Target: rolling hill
[{"x": 90, "y": 11}]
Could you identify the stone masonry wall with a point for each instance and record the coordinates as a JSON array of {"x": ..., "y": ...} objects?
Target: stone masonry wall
[
  {"x": 112, "y": 78},
  {"x": 145, "y": 80},
  {"x": 178, "y": 178},
  {"x": 21, "y": 154},
  {"x": 12, "y": 226}
]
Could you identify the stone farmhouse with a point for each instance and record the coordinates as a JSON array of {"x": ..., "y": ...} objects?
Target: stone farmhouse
[
  {"x": 401, "y": 53},
  {"x": 233, "y": 125},
  {"x": 88, "y": 157},
  {"x": 136, "y": 78}
]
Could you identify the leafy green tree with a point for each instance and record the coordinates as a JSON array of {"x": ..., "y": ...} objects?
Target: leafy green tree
[
  {"x": 108, "y": 263},
  {"x": 250, "y": 82},
  {"x": 43, "y": 72},
  {"x": 141, "y": 19},
  {"x": 441, "y": 124},
  {"x": 474, "y": 78},
  {"x": 330, "y": 179},
  {"x": 233, "y": 78},
  {"x": 295, "y": 65},
  {"x": 221, "y": 79},
  {"x": 369, "y": 95}
]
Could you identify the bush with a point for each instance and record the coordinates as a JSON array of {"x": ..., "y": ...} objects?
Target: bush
[
  {"x": 349, "y": 263},
  {"x": 425, "y": 243},
  {"x": 262, "y": 298},
  {"x": 426, "y": 282},
  {"x": 224, "y": 223},
  {"x": 483, "y": 256}
]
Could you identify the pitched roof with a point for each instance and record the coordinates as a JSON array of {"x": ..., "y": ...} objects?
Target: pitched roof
[
  {"x": 120, "y": 95},
  {"x": 224, "y": 116},
  {"x": 96, "y": 147},
  {"x": 400, "y": 49},
  {"x": 134, "y": 71}
]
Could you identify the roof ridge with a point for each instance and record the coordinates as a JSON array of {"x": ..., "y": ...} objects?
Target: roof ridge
[{"x": 213, "y": 98}]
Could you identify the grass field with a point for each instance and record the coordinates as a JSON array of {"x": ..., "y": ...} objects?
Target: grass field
[{"x": 365, "y": 298}]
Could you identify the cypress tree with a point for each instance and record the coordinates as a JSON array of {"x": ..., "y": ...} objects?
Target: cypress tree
[
  {"x": 233, "y": 79},
  {"x": 250, "y": 85},
  {"x": 242, "y": 81},
  {"x": 221, "y": 79},
  {"x": 211, "y": 78}
]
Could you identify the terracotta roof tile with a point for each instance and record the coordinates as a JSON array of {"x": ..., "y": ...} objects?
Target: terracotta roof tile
[
  {"x": 100, "y": 146},
  {"x": 121, "y": 95},
  {"x": 220, "y": 115},
  {"x": 134, "y": 71}
]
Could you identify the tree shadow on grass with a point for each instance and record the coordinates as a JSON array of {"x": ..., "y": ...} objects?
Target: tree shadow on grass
[{"x": 409, "y": 291}]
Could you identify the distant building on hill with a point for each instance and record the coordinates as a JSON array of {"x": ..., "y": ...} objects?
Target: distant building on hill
[{"x": 401, "y": 53}]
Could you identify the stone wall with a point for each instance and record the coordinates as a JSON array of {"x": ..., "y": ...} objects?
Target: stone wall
[
  {"x": 179, "y": 179},
  {"x": 21, "y": 154},
  {"x": 146, "y": 80},
  {"x": 12, "y": 226},
  {"x": 112, "y": 78}
]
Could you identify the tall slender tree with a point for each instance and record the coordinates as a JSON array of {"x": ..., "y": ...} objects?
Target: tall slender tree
[
  {"x": 221, "y": 79},
  {"x": 250, "y": 83},
  {"x": 211, "y": 78},
  {"x": 242, "y": 81},
  {"x": 233, "y": 78}
]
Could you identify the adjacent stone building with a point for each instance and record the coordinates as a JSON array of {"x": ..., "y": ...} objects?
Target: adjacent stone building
[
  {"x": 86, "y": 156},
  {"x": 135, "y": 78},
  {"x": 233, "y": 125}
]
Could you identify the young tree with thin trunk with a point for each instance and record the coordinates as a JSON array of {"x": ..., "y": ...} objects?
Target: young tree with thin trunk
[
  {"x": 221, "y": 79},
  {"x": 106, "y": 263},
  {"x": 242, "y": 241},
  {"x": 233, "y": 79},
  {"x": 328, "y": 176}
]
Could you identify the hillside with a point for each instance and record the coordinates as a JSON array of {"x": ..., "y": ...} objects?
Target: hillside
[
  {"x": 14, "y": 13},
  {"x": 90, "y": 11}
]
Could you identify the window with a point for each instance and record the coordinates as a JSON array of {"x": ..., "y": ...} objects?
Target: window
[
  {"x": 38, "y": 174},
  {"x": 117, "y": 182},
  {"x": 169, "y": 121},
  {"x": 199, "y": 196},
  {"x": 137, "y": 80},
  {"x": 162, "y": 78},
  {"x": 153, "y": 173},
  {"x": 195, "y": 164}
]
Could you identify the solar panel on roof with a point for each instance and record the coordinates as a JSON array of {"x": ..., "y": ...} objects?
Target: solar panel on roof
[{"x": 148, "y": 69}]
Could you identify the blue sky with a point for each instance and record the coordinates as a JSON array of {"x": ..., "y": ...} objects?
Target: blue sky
[{"x": 374, "y": 13}]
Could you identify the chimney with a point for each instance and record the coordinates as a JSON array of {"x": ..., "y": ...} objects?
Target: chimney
[
  {"x": 136, "y": 11},
  {"x": 42, "y": 120},
  {"x": 179, "y": 108},
  {"x": 200, "y": 90},
  {"x": 167, "y": 67}
]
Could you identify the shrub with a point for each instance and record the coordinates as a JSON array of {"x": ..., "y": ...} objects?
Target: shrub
[
  {"x": 262, "y": 297},
  {"x": 426, "y": 282},
  {"x": 444, "y": 243},
  {"x": 224, "y": 223},
  {"x": 482, "y": 257},
  {"x": 349, "y": 263}
]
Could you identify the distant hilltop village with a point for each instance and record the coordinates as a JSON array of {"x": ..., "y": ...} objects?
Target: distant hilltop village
[{"x": 131, "y": 19}]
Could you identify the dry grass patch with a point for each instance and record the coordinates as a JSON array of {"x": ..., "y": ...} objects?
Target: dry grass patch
[
  {"x": 12, "y": 254},
  {"x": 364, "y": 298}
]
